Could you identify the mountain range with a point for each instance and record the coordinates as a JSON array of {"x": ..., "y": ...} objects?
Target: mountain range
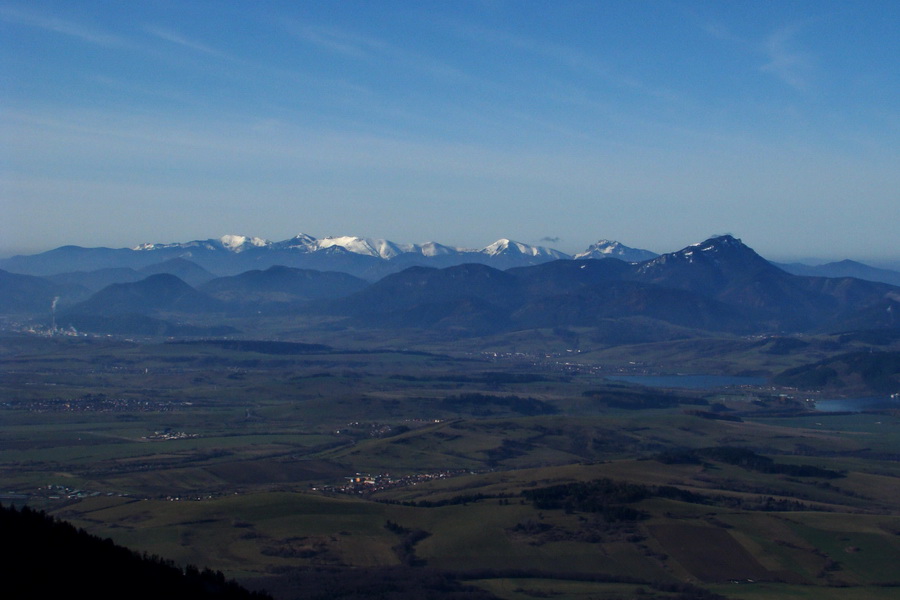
[
  {"x": 368, "y": 258},
  {"x": 199, "y": 261},
  {"x": 719, "y": 285}
]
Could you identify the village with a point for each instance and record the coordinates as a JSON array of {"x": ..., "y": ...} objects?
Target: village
[
  {"x": 159, "y": 436},
  {"x": 364, "y": 484},
  {"x": 93, "y": 403}
]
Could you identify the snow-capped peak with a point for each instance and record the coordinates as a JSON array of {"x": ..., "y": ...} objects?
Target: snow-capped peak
[
  {"x": 302, "y": 239},
  {"x": 718, "y": 250},
  {"x": 609, "y": 246},
  {"x": 614, "y": 249},
  {"x": 508, "y": 247},
  {"x": 374, "y": 247},
  {"x": 715, "y": 245},
  {"x": 720, "y": 241},
  {"x": 368, "y": 246},
  {"x": 301, "y": 242},
  {"x": 238, "y": 243}
]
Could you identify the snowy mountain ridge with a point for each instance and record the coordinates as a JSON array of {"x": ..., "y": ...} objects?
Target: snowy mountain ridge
[
  {"x": 369, "y": 258},
  {"x": 386, "y": 249}
]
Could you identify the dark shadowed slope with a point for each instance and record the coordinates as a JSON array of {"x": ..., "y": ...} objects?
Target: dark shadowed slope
[
  {"x": 157, "y": 293},
  {"x": 280, "y": 285}
]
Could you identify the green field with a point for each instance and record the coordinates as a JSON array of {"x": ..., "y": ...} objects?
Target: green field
[{"x": 241, "y": 461}]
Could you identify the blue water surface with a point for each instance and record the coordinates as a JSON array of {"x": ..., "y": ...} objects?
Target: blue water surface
[{"x": 857, "y": 404}]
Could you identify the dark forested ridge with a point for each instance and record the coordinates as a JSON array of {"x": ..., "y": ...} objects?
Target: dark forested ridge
[
  {"x": 44, "y": 558},
  {"x": 876, "y": 371}
]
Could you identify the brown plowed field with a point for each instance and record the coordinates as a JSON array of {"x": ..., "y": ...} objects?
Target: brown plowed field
[{"x": 709, "y": 554}]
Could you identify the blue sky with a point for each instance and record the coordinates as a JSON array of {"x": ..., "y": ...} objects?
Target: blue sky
[{"x": 656, "y": 123}]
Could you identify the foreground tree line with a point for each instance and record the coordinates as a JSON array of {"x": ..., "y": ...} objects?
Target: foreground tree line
[{"x": 43, "y": 557}]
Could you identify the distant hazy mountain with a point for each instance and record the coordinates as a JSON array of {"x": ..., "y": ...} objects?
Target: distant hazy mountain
[
  {"x": 98, "y": 279},
  {"x": 187, "y": 271},
  {"x": 26, "y": 294},
  {"x": 844, "y": 268},
  {"x": 68, "y": 259}
]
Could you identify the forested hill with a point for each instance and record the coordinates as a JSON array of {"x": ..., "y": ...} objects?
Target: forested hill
[{"x": 45, "y": 558}]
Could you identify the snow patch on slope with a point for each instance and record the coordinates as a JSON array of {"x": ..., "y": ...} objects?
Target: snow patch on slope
[
  {"x": 239, "y": 243},
  {"x": 506, "y": 247},
  {"x": 366, "y": 246},
  {"x": 614, "y": 249}
]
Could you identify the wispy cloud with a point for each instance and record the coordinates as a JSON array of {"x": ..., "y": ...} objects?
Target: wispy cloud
[
  {"x": 367, "y": 48},
  {"x": 56, "y": 25},
  {"x": 785, "y": 61},
  {"x": 337, "y": 40},
  {"x": 175, "y": 38},
  {"x": 569, "y": 57},
  {"x": 720, "y": 31},
  {"x": 783, "y": 57}
]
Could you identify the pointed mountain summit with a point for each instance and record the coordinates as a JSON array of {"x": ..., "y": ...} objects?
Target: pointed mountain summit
[
  {"x": 716, "y": 259},
  {"x": 721, "y": 267},
  {"x": 614, "y": 249},
  {"x": 302, "y": 242},
  {"x": 725, "y": 269}
]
